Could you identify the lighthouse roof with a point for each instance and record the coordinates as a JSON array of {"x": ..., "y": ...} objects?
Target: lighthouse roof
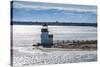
[{"x": 45, "y": 24}]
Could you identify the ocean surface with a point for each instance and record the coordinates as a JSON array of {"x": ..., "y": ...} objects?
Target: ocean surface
[
  {"x": 30, "y": 34},
  {"x": 25, "y": 36}
]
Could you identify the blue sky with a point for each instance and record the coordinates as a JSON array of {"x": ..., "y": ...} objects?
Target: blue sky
[{"x": 51, "y": 12}]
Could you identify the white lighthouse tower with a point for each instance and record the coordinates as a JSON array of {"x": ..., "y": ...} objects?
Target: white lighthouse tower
[{"x": 46, "y": 39}]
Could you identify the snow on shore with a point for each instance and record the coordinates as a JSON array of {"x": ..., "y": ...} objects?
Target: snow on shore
[{"x": 38, "y": 57}]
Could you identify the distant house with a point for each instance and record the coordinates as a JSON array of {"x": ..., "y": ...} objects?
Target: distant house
[{"x": 46, "y": 38}]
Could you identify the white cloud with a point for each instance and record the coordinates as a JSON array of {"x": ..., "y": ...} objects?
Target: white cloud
[{"x": 31, "y": 6}]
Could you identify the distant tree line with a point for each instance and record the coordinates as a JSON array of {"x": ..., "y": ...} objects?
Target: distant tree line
[{"x": 53, "y": 23}]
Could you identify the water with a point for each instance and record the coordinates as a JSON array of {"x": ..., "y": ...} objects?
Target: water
[
  {"x": 25, "y": 36},
  {"x": 29, "y": 34}
]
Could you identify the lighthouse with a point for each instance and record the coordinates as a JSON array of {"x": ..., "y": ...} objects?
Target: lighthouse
[{"x": 46, "y": 38}]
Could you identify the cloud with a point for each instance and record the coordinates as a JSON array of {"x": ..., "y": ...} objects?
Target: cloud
[{"x": 28, "y": 6}]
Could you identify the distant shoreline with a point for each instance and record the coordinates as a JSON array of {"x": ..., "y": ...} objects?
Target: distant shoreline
[{"x": 53, "y": 23}]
